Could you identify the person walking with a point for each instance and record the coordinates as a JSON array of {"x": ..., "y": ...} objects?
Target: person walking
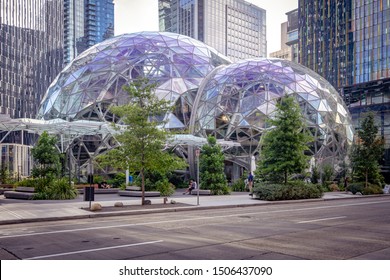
[{"x": 250, "y": 183}]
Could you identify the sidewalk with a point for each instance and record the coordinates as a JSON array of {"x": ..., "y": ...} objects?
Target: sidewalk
[{"x": 19, "y": 211}]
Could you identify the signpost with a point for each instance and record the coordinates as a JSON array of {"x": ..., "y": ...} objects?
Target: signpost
[{"x": 89, "y": 192}]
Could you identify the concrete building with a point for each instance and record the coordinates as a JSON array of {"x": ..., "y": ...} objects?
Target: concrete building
[
  {"x": 86, "y": 23},
  {"x": 31, "y": 56},
  {"x": 292, "y": 34},
  {"x": 285, "y": 50},
  {"x": 235, "y": 28},
  {"x": 348, "y": 43}
]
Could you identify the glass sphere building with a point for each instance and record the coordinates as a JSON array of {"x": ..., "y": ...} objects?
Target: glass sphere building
[
  {"x": 235, "y": 101},
  {"x": 94, "y": 81},
  {"x": 212, "y": 96}
]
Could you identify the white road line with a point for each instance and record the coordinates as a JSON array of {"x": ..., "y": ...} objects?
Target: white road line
[
  {"x": 94, "y": 250},
  {"x": 194, "y": 219},
  {"x": 319, "y": 220}
]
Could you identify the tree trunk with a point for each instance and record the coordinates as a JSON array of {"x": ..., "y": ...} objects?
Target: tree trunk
[
  {"x": 285, "y": 177},
  {"x": 366, "y": 184},
  {"x": 142, "y": 187}
]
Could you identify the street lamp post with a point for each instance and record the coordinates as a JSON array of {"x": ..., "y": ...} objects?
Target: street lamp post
[{"x": 197, "y": 154}]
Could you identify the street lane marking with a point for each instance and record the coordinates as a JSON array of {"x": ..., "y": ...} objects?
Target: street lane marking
[
  {"x": 320, "y": 220},
  {"x": 93, "y": 250},
  {"x": 193, "y": 219}
]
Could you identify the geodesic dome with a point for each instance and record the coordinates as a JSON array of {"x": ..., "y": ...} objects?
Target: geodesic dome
[
  {"x": 237, "y": 99},
  {"x": 94, "y": 81}
]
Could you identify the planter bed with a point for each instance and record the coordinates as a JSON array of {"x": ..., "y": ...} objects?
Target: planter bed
[
  {"x": 100, "y": 191},
  {"x": 19, "y": 195},
  {"x": 138, "y": 193},
  {"x": 201, "y": 192}
]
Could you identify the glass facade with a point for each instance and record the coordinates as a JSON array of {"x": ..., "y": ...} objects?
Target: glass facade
[
  {"x": 86, "y": 23},
  {"x": 235, "y": 28},
  {"x": 94, "y": 81},
  {"x": 326, "y": 39},
  {"x": 31, "y": 53},
  {"x": 348, "y": 43},
  {"x": 31, "y": 56},
  {"x": 237, "y": 99},
  {"x": 292, "y": 33},
  {"x": 211, "y": 95},
  {"x": 372, "y": 96},
  {"x": 371, "y": 23}
]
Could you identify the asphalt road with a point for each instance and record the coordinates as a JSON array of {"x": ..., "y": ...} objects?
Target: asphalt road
[{"x": 322, "y": 230}]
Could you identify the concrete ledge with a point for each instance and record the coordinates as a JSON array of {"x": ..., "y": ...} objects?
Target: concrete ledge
[
  {"x": 6, "y": 187},
  {"x": 201, "y": 192},
  {"x": 100, "y": 191},
  {"x": 138, "y": 193},
  {"x": 25, "y": 189},
  {"x": 133, "y": 188},
  {"x": 2, "y": 190},
  {"x": 19, "y": 195}
]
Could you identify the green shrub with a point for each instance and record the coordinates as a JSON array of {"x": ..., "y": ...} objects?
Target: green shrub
[
  {"x": 238, "y": 185},
  {"x": 40, "y": 185},
  {"x": 118, "y": 181},
  {"x": 98, "y": 179},
  {"x": 178, "y": 180},
  {"x": 224, "y": 190},
  {"x": 290, "y": 191},
  {"x": 60, "y": 189},
  {"x": 372, "y": 189},
  {"x": 41, "y": 196},
  {"x": 165, "y": 187},
  {"x": 356, "y": 187}
]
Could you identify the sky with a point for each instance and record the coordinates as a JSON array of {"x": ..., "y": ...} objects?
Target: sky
[{"x": 142, "y": 15}]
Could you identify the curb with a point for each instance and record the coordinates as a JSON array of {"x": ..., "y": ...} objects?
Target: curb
[{"x": 174, "y": 209}]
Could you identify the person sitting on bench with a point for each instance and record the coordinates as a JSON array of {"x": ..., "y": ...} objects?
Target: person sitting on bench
[{"x": 192, "y": 186}]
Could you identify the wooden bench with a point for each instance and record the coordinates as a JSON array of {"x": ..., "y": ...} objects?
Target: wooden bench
[
  {"x": 19, "y": 195},
  {"x": 201, "y": 192},
  {"x": 138, "y": 193}
]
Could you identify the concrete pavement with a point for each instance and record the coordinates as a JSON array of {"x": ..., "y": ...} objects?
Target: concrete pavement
[{"x": 19, "y": 211}]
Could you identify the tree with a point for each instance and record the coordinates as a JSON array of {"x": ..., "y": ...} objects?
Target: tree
[
  {"x": 142, "y": 139},
  {"x": 211, "y": 165},
  {"x": 46, "y": 156},
  {"x": 284, "y": 146},
  {"x": 366, "y": 152}
]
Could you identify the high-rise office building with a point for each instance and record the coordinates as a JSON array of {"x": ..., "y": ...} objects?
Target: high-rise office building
[
  {"x": 31, "y": 56},
  {"x": 292, "y": 34},
  {"x": 31, "y": 53},
  {"x": 86, "y": 23},
  {"x": 348, "y": 43},
  {"x": 326, "y": 39},
  {"x": 235, "y": 28}
]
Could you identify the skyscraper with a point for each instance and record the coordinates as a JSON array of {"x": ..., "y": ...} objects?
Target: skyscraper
[
  {"x": 235, "y": 28},
  {"x": 348, "y": 43},
  {"x": 31, "y": 47},
  {"x": 86, "y": 23},
  {"x": 292, "y": 33},
  {"x": 31, "y": 56},
  {"x": 326, "y": 39}
]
